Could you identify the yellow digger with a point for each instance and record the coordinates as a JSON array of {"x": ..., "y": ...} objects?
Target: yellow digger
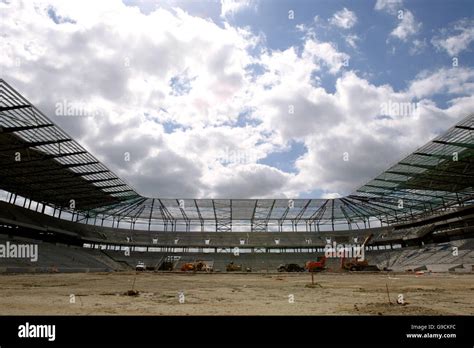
[
  {"x": 356, "y": 264},
  {"x": 232, "y": 267}
]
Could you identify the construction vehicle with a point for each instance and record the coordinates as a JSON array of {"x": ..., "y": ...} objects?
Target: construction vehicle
[
  {"x": 290, "y": 267},
  {"x": 203, "y": 266},
  {"x": 188, "y": 266},
  {"x": 316, "y": 266},
  {"x": 140, "y": 266},
  {"x": 197, "y": 266},
  {"x": 231, "y": 267},
  {"x": 356, "y": 264}
]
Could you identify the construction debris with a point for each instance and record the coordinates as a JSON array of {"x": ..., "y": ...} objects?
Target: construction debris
[{"x": 132, "y": 293}]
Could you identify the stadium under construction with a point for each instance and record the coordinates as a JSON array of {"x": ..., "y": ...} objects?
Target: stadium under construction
[
  {"x": 417, "y": 216},
  {"x": 56, "y": 192}
]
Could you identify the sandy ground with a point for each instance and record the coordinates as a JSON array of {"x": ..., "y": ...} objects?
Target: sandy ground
[{"x": 236, "y": 294}]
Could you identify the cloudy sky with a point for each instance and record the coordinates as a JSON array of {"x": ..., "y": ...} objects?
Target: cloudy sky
[{"x": 244, "y": 99}]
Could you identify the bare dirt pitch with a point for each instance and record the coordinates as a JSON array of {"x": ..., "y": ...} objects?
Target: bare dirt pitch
[{"x": 236, "y": 294}]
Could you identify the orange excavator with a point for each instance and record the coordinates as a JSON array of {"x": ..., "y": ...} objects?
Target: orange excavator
[
  {"x": 198, "y": 266},
  {"x": 316, "y": 266}
]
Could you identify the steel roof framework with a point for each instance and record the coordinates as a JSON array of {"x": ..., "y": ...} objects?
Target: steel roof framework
[{"x": 54, "y": 169}]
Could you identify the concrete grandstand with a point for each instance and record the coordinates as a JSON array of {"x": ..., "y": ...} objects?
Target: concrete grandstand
[{"x": 84, "y": 218}]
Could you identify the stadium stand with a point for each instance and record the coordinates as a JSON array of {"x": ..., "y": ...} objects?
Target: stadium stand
[{"x": 57, "y": 258}]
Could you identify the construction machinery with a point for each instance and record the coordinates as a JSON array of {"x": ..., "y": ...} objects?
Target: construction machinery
[
  {"x": 316, "y": 266},
  {"x": 358, "y": 264},
  {"x": 232, "y": 267},
  {"x": 290, "y": 267},
  {"x": 198, "y": 266},
  {"x": 140, "y": 266}
]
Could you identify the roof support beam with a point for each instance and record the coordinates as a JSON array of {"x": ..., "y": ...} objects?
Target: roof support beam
[
  {"x": 405, "y": 192},
  {"x": 151, "y": 214},
  {"x": 464, "y": 127},
  {"x": 318, "y": 214},
  {"x": 14, "y": 107},
  {"x": 35, "y": 143},
  {"x": 454, "y": 143},
  {"x": 301, "y": 213},
  {"x": 357, "y": 213},
  {"x": 24, "y": 128},
  {"x": 201, "y": 220},
  {"x": 44, "y": 158},
  {"x": 450, "y": 158}
]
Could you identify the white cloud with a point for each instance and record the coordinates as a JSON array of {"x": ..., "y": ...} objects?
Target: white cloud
[
  {"x": 357, "y": 130},
  {"x": 331, "y": 124},
  {"x": 352, "y": 40},
  {"x": 195, "y": 142},
  {"x": 344, "y": 19},
  {"x": 326, "y": 53},
  {"x": 408, "y": 26},
  {"x": 128, "y": 73},
  {"x": 418, "y": 46},
  {"x": 331, "y": 195},
  {"x": 390, "y": 6},
  {"x": 249, "y": 180},
  {"x": 456, "y": 39},
  {"x": 450, "y": 81},
  {"x": 230, "y": 7}
]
